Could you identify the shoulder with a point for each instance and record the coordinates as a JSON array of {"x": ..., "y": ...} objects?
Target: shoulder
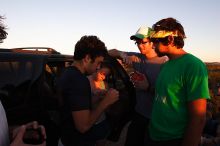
[
  {"x": 72, "y": 75},
  {"x": 158, "y": 60},
  {"x": 73, "y": 72},
  {"x": 134, "y": 53},
  {"x": 194, "y": 63},
  {"x": 195, "y": 73},
  {"x": 193, "y": 59}
]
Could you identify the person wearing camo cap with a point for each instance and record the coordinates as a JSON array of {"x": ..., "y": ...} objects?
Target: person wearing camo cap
[{"x": 146, "y": 65}]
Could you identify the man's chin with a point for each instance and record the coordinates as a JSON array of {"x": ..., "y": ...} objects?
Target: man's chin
[{"x": 159, "y": 53}]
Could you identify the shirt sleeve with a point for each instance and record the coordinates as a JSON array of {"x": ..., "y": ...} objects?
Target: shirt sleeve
[{"x": 197, "y": 82}]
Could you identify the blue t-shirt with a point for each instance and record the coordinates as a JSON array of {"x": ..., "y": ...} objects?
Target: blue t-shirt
[
  {"x": 76, "y": 93},
  {"x": 150, "y": 68}
]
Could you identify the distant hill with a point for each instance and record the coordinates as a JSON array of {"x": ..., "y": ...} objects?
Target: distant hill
[
  {"x": 214, "y": 84},
  {"x": 214, "y": 73},
  {"x": 214, "y": 63}
]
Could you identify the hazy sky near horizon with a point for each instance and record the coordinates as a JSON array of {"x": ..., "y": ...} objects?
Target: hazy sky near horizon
[{"x": 61, "y": 23}]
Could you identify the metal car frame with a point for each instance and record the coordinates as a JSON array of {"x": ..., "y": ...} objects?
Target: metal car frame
[{"x": 28, "y": 89}]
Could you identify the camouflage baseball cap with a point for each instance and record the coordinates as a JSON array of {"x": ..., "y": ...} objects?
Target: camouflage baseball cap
[{"x": 143, "y": 32}]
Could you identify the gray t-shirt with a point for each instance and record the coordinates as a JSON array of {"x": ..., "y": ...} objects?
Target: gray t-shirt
[
  {"x": 150, "y": 68},
  {"x": 4, "y": 136}
]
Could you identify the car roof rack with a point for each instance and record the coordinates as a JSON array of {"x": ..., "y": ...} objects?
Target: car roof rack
[
  {"x": 35, "y": 50},
  {"x": 52, "y": 54}
]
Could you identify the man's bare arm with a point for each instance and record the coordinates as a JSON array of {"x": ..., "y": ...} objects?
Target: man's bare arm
[
  {"x": 84, "y": 119},
  {"x": 197, "y": 115}
]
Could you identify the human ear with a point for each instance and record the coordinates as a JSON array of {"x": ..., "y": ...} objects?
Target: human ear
[
  {"x": 171, "y": 39},
  {"x": 87, "y": 58}
]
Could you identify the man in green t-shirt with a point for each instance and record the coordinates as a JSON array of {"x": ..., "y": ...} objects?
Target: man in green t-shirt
[{"x": 179, "y": 108}]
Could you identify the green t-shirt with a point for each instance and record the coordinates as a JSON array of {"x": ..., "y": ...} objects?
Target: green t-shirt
[{"x": 180, "y": 81}]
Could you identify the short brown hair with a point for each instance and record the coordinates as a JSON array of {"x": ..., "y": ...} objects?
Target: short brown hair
[
  {"x": 89, "y": 45},
  {"x": 171, "y": 24}
]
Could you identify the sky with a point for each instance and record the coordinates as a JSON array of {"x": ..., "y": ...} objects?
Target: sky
[{"x": 59, "y": 24}]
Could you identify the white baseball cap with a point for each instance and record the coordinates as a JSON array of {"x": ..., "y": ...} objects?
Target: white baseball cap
[{"x": 143, "y": 32}]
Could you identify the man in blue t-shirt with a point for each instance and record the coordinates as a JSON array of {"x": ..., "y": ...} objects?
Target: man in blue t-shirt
[{"x": 78, "y": 116}]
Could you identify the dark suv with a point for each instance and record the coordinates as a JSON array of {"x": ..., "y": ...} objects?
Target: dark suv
[{"x": 28, "y": 89}]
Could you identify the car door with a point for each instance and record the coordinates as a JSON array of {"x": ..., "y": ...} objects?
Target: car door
[{"x": 119, "y": 114}]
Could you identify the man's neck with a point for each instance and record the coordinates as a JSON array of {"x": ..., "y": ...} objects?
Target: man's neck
[
  {"x": 79, "y": 65},
  {"x": 176, "y": 53},
  {"x": 151, "y": 55}
]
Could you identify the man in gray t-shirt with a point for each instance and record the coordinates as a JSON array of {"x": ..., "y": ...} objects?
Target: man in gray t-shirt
[{"x": 147, "y": 65}]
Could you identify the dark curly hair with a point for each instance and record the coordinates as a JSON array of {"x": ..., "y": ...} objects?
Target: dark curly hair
[
  {"x": 3, "y": 33},
  {"x": 171, "y": 24},
  {"x": 89, "y": 45}
]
